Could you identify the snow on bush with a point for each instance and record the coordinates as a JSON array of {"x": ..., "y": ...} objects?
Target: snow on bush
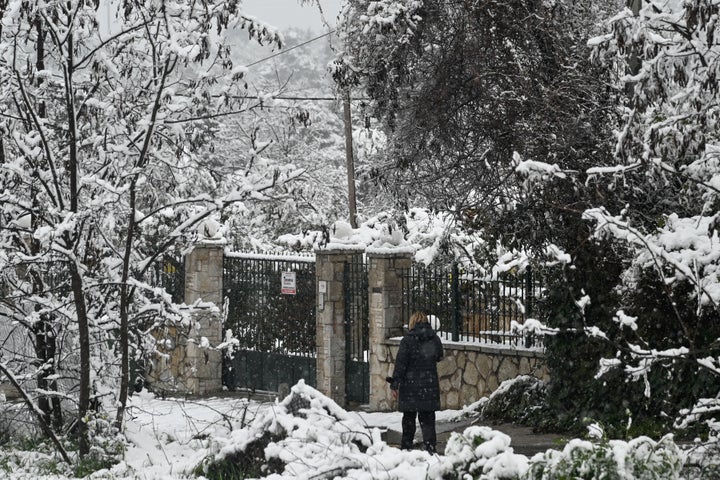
[
  {"x": 480, "y": 452},
  {"x": 639, "y": 459},
  {"x": 310, "y": 436},
  {"x": 515, "y": 399}
]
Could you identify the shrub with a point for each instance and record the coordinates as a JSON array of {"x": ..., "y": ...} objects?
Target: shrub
[
  {"x": 639, "y": 459},
  {"x": 247, "y": 463},
  {"x": 480, "y": 452},
  {"x": 515, "y": 400}
]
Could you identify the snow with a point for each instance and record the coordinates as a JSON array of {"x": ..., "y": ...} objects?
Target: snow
[
  {"x": 417, "y": 232},
  {"x": 532, "y": 326},
  {"x": 306, "y": 257},
  {"x": 536, "y": 170},
  {"x": 595, "y": 431},
  {"x": 313, "y": 437},
  {"x": 12, "y": 11},
  {"x": 626, "y": 320},
  {"x": 169, "y": 438},
  {"x": 384, "y": 237},
  {"x": 557, "y": 255}
]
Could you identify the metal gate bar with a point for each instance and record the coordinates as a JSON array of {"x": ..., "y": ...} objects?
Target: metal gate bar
[
  {"x": 471, "y": 308},
  {"x": 275, "y": 331},
  {"x": 357, "y": 331}
]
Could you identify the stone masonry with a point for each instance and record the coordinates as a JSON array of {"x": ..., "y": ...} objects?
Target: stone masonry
[
  {"x": 330, "y": 317},
  {"x": 204, "y": 273},
  {"x": 385, "y": 311},
  {"x": 186, "y": 362},
  {"x": 469, "y": 372}
]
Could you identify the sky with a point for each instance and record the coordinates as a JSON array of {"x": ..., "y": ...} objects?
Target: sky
[{"x": 289, "y": 13}]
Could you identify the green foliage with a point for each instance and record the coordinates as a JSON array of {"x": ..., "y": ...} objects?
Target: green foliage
[
  {"x": 6, "y": 465},
  {"x": 572, "y": 356},
  {"x": 578, "y": 463},
  {"x": 247, "y": 463},
  {"x": 639, "y": 459},
  {"x": 703, "y": 462},
  {"x": 653, "y": 427},
  {"x": 517, "y": 402},
  {"x": 670, "y": 319},
  {"x": 42, "y": 461},
  {"x": 455, "y": 115},
  {"x": 99, "y": 459}
]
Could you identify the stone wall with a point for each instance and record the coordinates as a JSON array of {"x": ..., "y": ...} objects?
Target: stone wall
[
  {"x": 467, "y": 372},
  {"x": 385, "y": 312},
  {"x": 185, "y": 363},
  {"x": 330, "y": 318}
]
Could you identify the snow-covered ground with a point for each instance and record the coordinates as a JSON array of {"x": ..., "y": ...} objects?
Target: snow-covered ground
[
  {"x": 310, "y": 437},
  {"x": 170, "y": 437}
]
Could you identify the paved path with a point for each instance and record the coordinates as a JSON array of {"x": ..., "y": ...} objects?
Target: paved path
[{"x": 524, "y": 440}]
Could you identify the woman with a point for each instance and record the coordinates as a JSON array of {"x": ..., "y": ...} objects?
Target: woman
[{"x": 416, "y": 379}]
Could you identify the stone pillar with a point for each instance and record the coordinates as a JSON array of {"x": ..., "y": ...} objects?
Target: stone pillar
[
  {"x": 385, "y": 305},
  {"x": 330, "y": 315},
  {"x": 186, "y": 362},
  {"x": 204, "y": 273}
]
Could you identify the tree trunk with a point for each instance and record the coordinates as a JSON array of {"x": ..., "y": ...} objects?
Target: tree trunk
[
  {"x": 45, "y": 338},
  {"x": 84, "y": 336},
  {"x": 75, "y": 278},
  {"x": 45, "y": 349},
  {"x": 125, "y": 295}
]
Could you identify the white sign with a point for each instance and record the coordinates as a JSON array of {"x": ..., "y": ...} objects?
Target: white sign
[
  {"x": 288, "y": 285},
  {"x": 322, "y": 286}
]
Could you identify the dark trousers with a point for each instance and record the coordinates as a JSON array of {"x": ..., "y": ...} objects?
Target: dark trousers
[{"x": 427, "y": 425}]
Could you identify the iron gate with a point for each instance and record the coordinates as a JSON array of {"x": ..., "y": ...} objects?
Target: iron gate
[
  {"x": 471, "y": 308},
  {"x": 275, "y": 331},
  {"x": 169, "y": 273},
  {"x": 357, "y": 331}
]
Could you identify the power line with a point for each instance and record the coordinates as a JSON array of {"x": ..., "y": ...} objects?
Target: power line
[
  {"x": 291, "y": 48},
  {"x": 308, "y": 99}
]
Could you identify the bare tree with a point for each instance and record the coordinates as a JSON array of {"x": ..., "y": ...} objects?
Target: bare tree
[{"x": 103, "y": 124}]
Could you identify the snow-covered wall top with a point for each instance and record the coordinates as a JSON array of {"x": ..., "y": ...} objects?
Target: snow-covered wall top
[
  {"x": 373, "y": 238},
  {"x": 417, "y": 232}
]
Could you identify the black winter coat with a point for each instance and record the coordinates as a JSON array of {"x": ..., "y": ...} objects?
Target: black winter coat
[{"x": 415, "y": 374}]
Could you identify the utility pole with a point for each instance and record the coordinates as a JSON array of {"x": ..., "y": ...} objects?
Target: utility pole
[{"x": 349, "y": 158}]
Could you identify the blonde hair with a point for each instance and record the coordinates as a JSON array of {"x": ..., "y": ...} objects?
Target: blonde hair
[{"x": 415, "y": 318}]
